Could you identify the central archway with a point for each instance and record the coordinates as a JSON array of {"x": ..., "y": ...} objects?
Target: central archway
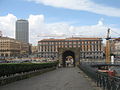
[{"x": 65, "y": 57}]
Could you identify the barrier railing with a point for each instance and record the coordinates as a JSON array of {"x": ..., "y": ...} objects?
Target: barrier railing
[
  {"x": 102, "y": 80},
  {"x": 107, "y": 82}
]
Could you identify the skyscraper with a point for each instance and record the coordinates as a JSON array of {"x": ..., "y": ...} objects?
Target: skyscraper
[{"x": 22, "y": 30}]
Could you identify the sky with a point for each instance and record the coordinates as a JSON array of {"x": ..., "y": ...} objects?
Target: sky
[{"x": 61, "y": 18}]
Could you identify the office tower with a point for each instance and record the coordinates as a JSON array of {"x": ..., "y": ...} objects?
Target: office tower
[{"x": 22, "y": 30}]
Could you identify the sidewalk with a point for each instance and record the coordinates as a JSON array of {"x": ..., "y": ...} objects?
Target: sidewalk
[{"x": 60, "y": 79}]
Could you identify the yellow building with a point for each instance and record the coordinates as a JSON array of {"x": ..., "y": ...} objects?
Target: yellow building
[{"x": 10, "y": 47}]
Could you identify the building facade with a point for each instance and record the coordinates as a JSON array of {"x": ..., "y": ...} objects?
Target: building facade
[
  {"x": 89, "y": 47},
  {"x": 115, "y": 47},
  {"x": 25, "y": 49},
  {"x": 34, "y": 49},
  {"x": 10, "y": 47},
  {"x": 22, "y": 30}
]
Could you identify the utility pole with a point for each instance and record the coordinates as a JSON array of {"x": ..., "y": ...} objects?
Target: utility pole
[{"x": 108, "y": 47}]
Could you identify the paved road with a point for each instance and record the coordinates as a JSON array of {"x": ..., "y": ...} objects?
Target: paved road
[{"x": 60, "y": 79}]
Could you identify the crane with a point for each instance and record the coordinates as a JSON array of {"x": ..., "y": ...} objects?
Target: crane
[
  {"x": 57, "y": 35},
  {"x": 51, "y": 35},
  {"x": 108, "y": 47},
  {"x": 108, "y": 58}
]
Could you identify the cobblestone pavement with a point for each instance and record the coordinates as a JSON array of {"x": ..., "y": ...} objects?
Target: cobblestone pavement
[{"x": 59, "y": 79}]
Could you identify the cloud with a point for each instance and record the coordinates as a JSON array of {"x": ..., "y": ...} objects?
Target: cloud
[
  {"x": 86, "y": 5},
  {"x": 7, "y": 25},
  {"x": 36, "y": 26},
  {"x": 39, "y": 29}
]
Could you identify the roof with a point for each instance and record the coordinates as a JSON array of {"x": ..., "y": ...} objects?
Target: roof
[
  {"x": 52, "y": 39},
  {"x": 22, "y": 20},
  {"x": 7, "y": 38},
  {"x": 71, "y": 39}
]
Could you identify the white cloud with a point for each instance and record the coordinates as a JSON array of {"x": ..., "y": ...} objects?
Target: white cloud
[
  {"x": 7, "y": 24},
  {"x": 86, "y": 5},
  {"x": 38, "y": 27}
]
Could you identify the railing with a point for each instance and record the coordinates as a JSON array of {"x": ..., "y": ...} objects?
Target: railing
[
  {"x": 91, "y": 72},
  {"x": 108, "y": 82},
  {"x": 102, "y": 80}
]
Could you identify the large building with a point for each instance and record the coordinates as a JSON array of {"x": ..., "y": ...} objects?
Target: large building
[
  {"x": 115, "y": 47},
  {"x": 10, "y": 47},
  {"x": 22, "y": 30},
  {"x": 87, "y": 47}
]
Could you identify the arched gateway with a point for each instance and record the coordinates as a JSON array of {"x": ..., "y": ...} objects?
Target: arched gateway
[{"x": 69, "y": 55}]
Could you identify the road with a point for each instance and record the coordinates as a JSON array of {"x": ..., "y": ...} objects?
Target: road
[{"x": 59, "y": 79}]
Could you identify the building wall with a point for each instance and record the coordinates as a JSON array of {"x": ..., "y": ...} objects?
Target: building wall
[
  {"x": 115, "y": 47},
  {"x": 89, "y": 47},
  {"x": 22, "y": 30},
  {"x": 34, "y": 49},
  {"x": 24, "y": 49},
  {"x": 9, "y": 47},
  {"x": 12, "y": 48}
]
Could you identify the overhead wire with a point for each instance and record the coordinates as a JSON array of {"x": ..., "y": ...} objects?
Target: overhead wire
[{"x": 115, "y": 32}]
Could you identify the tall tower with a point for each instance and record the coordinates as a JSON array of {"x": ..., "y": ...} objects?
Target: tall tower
[{"x": 22, "y": 30}]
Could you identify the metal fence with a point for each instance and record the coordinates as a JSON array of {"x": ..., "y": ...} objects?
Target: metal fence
[{"x": 102, "y": 80}]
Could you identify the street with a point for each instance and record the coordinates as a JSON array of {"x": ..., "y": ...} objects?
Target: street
[{"x": 59, "y": 79}]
